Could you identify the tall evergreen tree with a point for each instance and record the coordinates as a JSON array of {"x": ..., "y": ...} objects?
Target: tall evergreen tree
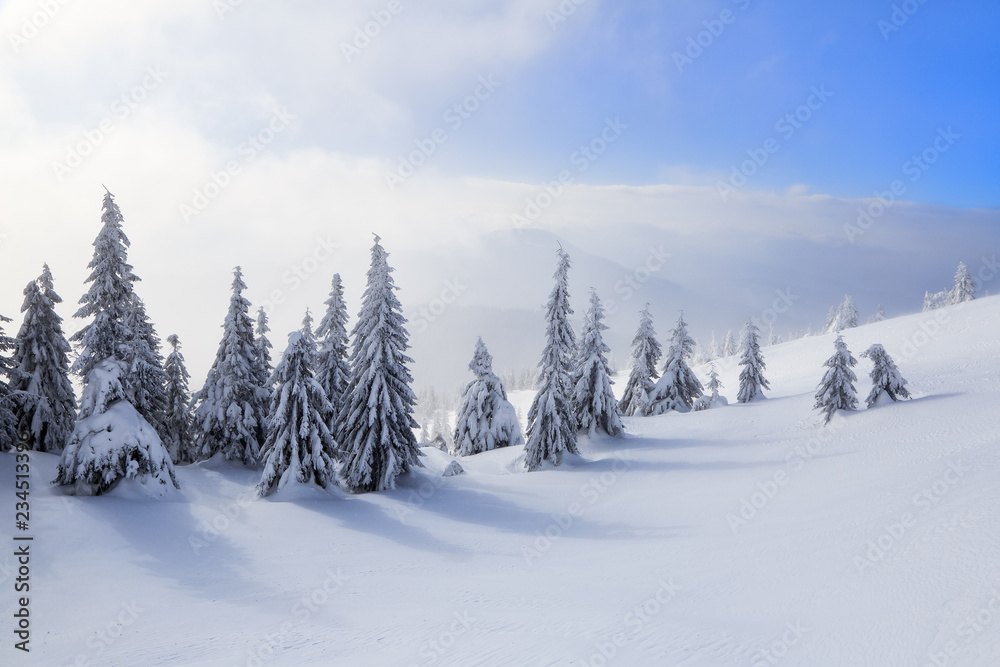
[
  {"x": 964, "y": 288},
  {"x": 263, "y": 348},
  {"x": 713, "y": 349},
  {"x": 729, "y": 344},
  {"x": 836, "y": 390},
  {"x": 299, "y": 446},
  {"x": 551, "y": 422},
  {"x": 593, "y": 400},
  {"x": 230, "y": 410},
  {"x": 678, "y": 387},
  {"x": 109, "y": 296},
  {"x": 886, "y": 378},
  {"x": 332, "y": 369},
  {"x": 8, "y": 420},
  {"x": 44, "y": 403},
  {"x": 646, "y": 354},
  {"x": 145, "y": 380},
  {"x": 178, "y": 437},
  {"x": 752, "y": 382},
  {"x": 376, "y": 423},
  {"x": 486, "y": 420}
]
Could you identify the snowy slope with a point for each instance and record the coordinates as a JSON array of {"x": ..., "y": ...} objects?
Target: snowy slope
[{"x": 874, "y": 541}]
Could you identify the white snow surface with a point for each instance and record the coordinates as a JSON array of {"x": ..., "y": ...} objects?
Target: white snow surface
[{"x": 875, "y": 540}]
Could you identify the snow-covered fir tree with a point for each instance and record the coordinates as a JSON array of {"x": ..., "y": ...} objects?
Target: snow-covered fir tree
[
  {"x": 486, "y": 419},
  {"x": 677, "y": 387},
  {"x": 879, "y": 314},
  {"x": 44, "y": 402},
  {"x": 713, "y": 399},
  {"x": 729, "y": 344},
  {"x": 593, "y": 400},
  {"x": 8, "y": 420},
  {"x": 887, "y": 382},
  {"x": 935, "y": 301},
  {"x": 299, "y": 446},
  {"x": 646, "y": 353},
  {"x": 307, "y": 328},
  {"x": 713, "y": 349},
  {"x": 177, "y": 432},
  {"x": 332, "y": 369},
  {"x": 964, "y": 288},
  {"x": 752, "y": 381},
  {"x": 145, "y": 380},
  {"x": 772, "y": 337},
  {"x": 551, "y": 423},
  {"x": 263, "y": 348},
  {"x": 375, "y": 427},
  {"x": 836, "y": 390},
  {"x": 109, "y": 298},
  {"x": 231, "y": 409},
  {"x": 844, "y": 316},
  {"x": 111, "y": 441}
]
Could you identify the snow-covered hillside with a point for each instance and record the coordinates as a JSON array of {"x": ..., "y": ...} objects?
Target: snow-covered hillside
[{"x": 745, "y": 535}]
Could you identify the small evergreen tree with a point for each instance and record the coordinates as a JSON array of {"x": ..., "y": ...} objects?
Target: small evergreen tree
[
  {"x": 772, "y": 338},
  {"x": 332, "y": 369},
  {"x": 713, "y": 349},
  {"x": 177, "y": 433},
  {"x": 230, "y": 410},
  {"x": 886, "y": 378},
  {"x": 752, "y": 380},
  {"x": 44, "y": 402},
  {"x": 836, "y": 391},
  {"x": 8, "y": 420},
  {"x": 111, "y": 441},
  {"x": 486, "y": 420},
  {"x": 551, "y": 423},
  {"x": 879, "y": 314},
  {"x": 713, "y": 399},
  {"x": 299, "y": 445},
  {"x": 593, "y": 400},
  {"x": 844, "y": 316},
  {"x": 678, "y": 387},
  {"x": 263, "y": 349},
  {"x": 729, "y": 345},
  {"x": 646, "y": 354},
  {"x": 376, "y": 422},
  {"x": 935, "y": 301},
  {"x": 964, "y": 288}
]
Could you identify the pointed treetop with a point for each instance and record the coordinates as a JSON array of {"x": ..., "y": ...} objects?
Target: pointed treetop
[
  {"x": 174, "y": 341},
  {"x": 482, "y": 360}
]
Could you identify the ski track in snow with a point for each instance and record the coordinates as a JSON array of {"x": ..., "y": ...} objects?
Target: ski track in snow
[{"x": 458, "y": 571}]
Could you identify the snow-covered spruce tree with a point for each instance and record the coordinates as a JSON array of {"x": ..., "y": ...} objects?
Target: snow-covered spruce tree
[
  {"x": 646, "y": 354},
  {"x": 375, "y": 427},
  {"x": 299, "y": 446},
  {"x": 44, "y": 403},
  {"x": 752, "y": 382},
  {"x": 935, "y": 301},
  {"x": 677, "y": 387},
  {"x": 713, "y": 349},
  {"x": 8, "y": 421},
  {"x": 772, "y": 337},
  {"x": 886, "y": 379},
  {"x": 844, "y": 316},
  {"x": 231, "y": 409},
  {"x": 593, "y": 400},
  {"x": 332, "y": 369},
  {"x": 145, "y": 380},
  {"x": 879, "y": 314},
  {"x": 551, "y": 423},
  {"x": 109, "y": 298},
  {"x": 177, "y": 432},
  {"x": 836, "y": 390},
  {"x": 713, "y": 399},
  {"x": 486, "y": 419},
  {"x": 964, "y": 288},
  {"x": 263, "y": 348},
  {"x": 111, "y": 440},
  {"x": 729, "y": 344}
]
